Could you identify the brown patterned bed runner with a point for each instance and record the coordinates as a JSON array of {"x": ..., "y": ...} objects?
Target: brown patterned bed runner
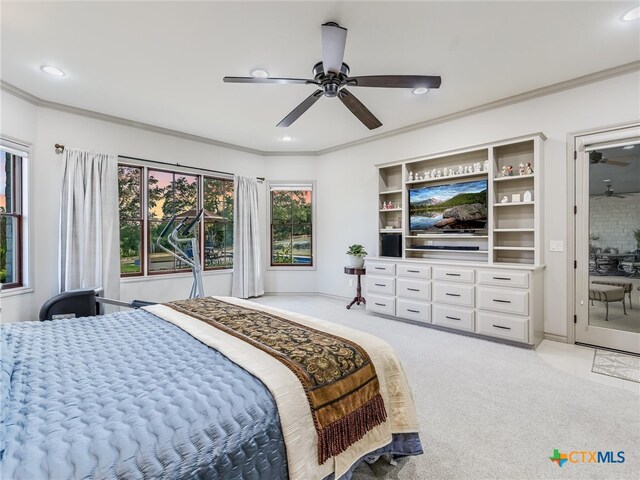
[{"x": 337, "y": 375}]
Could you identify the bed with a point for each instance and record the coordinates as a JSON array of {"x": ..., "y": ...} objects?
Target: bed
[{"x": 157, "y": 393}]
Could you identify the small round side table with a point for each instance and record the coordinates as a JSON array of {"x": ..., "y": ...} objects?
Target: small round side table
[{"x": 359, "y": 272}]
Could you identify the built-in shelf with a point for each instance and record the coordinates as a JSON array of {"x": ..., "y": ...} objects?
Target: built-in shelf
[
  {"x": 442, "y": 236},
  {"x": 513, "y": 204},
  {"x": 513, "y": 178},
  {"x": 439, "y": 179},
  {"x": 438, "y": 250},
  {"x": 511, "y": 235}
]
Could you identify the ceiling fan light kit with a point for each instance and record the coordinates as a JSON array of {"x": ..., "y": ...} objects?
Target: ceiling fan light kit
[{"x": 331, "y": 76}]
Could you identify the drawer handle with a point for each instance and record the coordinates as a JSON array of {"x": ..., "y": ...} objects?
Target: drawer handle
[
  {"x": 503, "y": 328},
  {"x": 413, "y": 271},
  {"x": 380, "y": 284},
  {"x": 502, "y": 278},
  {"x": 453, "y": 274},
  {"x": 380, "y": 268},
  {"x": 413, "y": 311},
  {"x": 452, "y": 294},
  {"x": 413, "y": 289},
  {"x": 451, "y": 318},
  {"x": 381, "y": 304},
  {"x": 501, "y": 301}
]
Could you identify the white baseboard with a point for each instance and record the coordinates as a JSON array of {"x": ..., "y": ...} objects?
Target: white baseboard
[{"x": 556, "y": 338}]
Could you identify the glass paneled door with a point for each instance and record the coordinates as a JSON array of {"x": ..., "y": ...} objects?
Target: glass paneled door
[{"x": 608, "y": 240}]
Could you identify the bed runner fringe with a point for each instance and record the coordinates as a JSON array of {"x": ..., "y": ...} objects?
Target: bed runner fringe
[{"x": 337, "y": 375}]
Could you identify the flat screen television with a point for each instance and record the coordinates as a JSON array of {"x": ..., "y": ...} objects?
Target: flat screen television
[{"x": 454, "y": 207}]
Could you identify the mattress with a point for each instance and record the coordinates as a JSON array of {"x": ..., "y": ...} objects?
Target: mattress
[
  {"x": 132, "y": 396},
  {"x": 129, "y": 395}
]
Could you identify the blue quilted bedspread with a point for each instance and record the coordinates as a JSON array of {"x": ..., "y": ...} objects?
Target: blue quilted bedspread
[{"x": 129, "y": 395}]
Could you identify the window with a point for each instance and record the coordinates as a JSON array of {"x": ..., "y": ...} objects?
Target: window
[
  {"x": 291, "y": 225},
  {"x": 150, "y": 197},
  {"x": 11, "y": 220}
]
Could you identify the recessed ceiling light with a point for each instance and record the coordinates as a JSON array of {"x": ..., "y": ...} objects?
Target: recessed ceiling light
[
  {"x": 259, "y": 73},
  {"x": 419, "y": 91},
  {"x": 607, "y": 180},
  {"x": 628, "y": 147},
  {"x": 286, "y": 138},
  {"x": 631, "y": 15},
  {"x": 56, "y": 72}
]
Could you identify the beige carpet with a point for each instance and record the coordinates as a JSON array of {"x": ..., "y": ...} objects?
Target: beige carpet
[{"x": 492, "y": 411}]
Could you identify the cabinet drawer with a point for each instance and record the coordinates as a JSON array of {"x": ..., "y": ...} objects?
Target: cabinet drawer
[
  {"x": 379, "y": 268},
  {"x": 418, "y": 289},
  {"x": 413, "y": 310},
  {"x": 414, "y": 271},
  {"x": 381, "y": 304},
  {"x": 512, "y": 328},
  {"x": 507, "y": 279},
  {"x": 460, "y": 318},
  {"x": 464, "y": 275},
  {"x": 386, "y": 285},
  {"x": 509, "y": 301},
  {"x": 454, "y": 294}
]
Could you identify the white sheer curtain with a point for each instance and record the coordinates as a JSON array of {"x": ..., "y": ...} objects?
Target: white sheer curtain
[
  {"x": 89, "y": 224},
  {"x": 247, "y": 265}
]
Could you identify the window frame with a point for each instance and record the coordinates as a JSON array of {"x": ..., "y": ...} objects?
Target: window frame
[
  {"x": 141, "y": 219},
  {"x": 19, "y": 202},
  {"x": 290, "y": 185},
  {"x": 146, "y": 239}
]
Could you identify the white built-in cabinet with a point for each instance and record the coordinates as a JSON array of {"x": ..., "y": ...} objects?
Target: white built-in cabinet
[
  {"x": 514, "y": 230},
  {"x": 494, "y": 290}
]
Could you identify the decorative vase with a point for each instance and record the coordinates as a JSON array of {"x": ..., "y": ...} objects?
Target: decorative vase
[{"x": 356, "y": 262}]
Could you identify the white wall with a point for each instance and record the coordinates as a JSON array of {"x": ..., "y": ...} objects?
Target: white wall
[
  {"x": 346, "y": 191},
  {"x": 614, "y": 220},
  {"x": 348, "y": 214}
]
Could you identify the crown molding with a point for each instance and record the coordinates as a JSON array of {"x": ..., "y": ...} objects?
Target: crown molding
[{"x": 522, "y": 97}]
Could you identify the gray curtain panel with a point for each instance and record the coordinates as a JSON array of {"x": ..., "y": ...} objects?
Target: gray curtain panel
[
  {"x": 89, "y": 224},
  {"x": 247, "y": 264}
]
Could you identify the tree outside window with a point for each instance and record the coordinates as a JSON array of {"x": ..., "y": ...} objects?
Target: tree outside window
[{"x": 291, "y": 226}]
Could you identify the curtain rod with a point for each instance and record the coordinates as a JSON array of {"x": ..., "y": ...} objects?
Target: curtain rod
[{"x": 60, "y": 148}]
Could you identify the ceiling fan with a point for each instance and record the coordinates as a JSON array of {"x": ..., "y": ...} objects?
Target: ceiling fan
[
  {"x": 597, "y": 157},
  {"x": 331, "y": 76},
  {"x": 609, "y": 193}
]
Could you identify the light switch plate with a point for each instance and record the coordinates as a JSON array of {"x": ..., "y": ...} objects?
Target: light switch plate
[{"x": 556, "y": 246}]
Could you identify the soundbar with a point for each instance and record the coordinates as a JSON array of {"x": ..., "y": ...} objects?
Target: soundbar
[{"x": 445, "y": 247}]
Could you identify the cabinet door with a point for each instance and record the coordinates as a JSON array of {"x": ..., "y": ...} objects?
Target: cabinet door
[
  {"x": 462, "y": 295},
  {"x": 460, "y": 318},
  {"x": 451, "y": 274},
  {"x": 502, "y": 326},
  {"x": 381, "y": 304},
  {"x": 503, "y": 300},
  {"x": 385, "y": 285},
  {"x": 503, "y": 278},
  {"x": 413, "y": 310},
  {"x": 414, "y": 271},
  {"x": 381, "y": 268},
  {"x": 418, "y": 289}
]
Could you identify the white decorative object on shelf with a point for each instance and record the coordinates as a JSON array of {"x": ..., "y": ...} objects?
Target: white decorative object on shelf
[
  {"x": 460, "y": 170},
  {"x": 486, "y": 165},
  {"x": 504, "y": 200},
  {"x": 528, "y": 168},
  {"x": 384, "y": 205},
  {"x": 477, "y": 167},
  {"x": 427, "y": 175},
  {"x": 521, "y": 169},
  {"x": 433, "y": 173},
  {"x": 527, "y": 196},
  {"x": 503, "y": 171},
  {"x": 451, "y": 172},
  {"x": 515, "y": 198},
  {"x": 411, "y": 176},
  {"x": 439, "y": 174}
]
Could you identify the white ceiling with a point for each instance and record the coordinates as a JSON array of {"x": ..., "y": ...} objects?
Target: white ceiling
[{"x": 162, "y": 63}]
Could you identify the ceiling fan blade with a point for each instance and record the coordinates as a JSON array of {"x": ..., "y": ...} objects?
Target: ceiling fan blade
[
  {"x": 615, "y": 162},
  {"x": 359, "y": 110},
  {"x": 334, "y": 38},
  {"x": 395, "y": 81},
  {"x": 300, "y": 81},
  {"x": 300, "y": 109}
]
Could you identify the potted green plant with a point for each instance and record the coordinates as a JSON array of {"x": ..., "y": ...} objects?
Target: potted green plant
[{"x": 356, "y": 255}]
